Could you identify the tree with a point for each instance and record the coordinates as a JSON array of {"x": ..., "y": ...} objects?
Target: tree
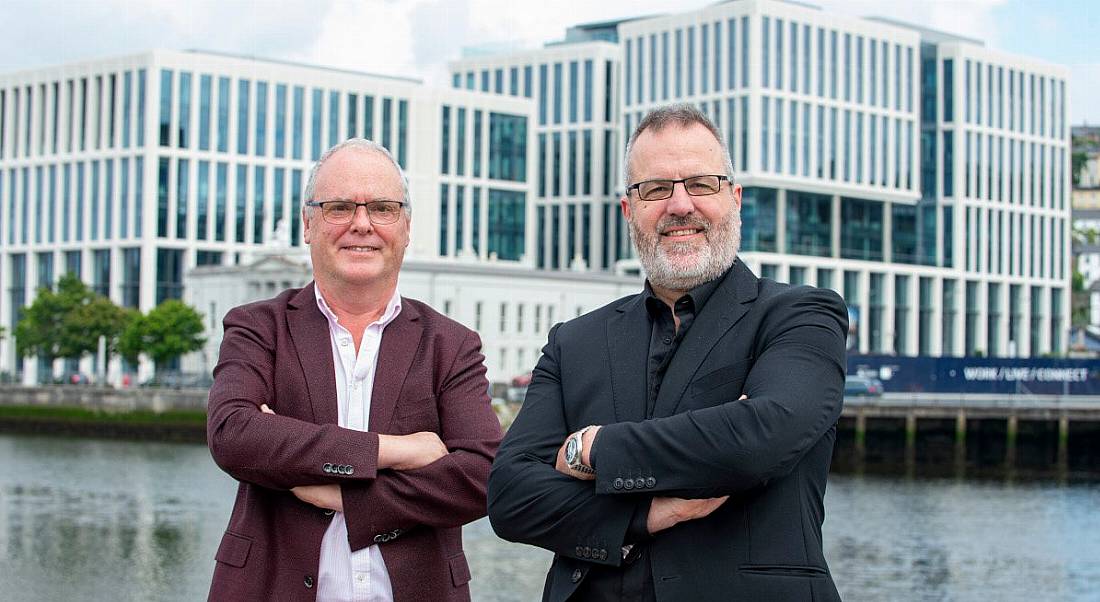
[
  {"x": 1077, "y": 164},
  {"x": 68, "y": 323},
  {"x": 168, "y": 331}
]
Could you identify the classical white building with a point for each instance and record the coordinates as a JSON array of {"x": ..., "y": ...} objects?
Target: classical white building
[
  {"x": 923, "y": 176},
  {"x": 130, "y": 171},
  {"x": 510, "y": 305}
]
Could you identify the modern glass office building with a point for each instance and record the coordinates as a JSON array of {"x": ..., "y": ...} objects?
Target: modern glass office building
[
  {"x": 574, "y": 86},
  {"x": 921, "y": 175},
  {"x": 130, "y": 171}
]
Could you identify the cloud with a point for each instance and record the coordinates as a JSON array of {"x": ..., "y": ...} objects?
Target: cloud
[
  {"x": 1084, "y": 89},
  {"x": 373, "y": 35}
]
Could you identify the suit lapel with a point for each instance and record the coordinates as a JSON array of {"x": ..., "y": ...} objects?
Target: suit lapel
[
  {"x": 400, "y": 340},
  {"x": 628, "y": 348},
  {"x": 726, "y": 306},
  {"x": 310, "y": 332}
]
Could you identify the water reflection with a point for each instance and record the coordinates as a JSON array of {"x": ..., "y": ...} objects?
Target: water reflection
[{"x": 102, "y": 520}]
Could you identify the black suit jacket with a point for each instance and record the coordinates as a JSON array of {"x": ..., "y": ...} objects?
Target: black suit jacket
[{"x": 782, "y": 346}]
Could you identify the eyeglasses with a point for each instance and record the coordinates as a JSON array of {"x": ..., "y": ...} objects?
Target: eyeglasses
[
  {"x": 659, "y": 190},
  {"x": 337, "y": 213}
]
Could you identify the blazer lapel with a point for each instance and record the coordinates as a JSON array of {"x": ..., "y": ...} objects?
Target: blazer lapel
[
  {"x": 727, "y": 305},
  {"x": 628, "y": 348},
  {"x": 309, "y": 331},
  {"x": 400, "y": 340}
]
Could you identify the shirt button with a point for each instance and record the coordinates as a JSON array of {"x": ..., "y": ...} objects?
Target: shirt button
[
  {"x": 344, "y": 342},
  {"x": 360, "y": 577},
  {"x": 668, "y": 341}
]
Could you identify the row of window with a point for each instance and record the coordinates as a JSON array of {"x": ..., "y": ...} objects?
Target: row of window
[
  {"x": 261, "y": 119},
  {"x": 660, "y": 66},
  {"x": 1008, "y": 170},
  {"x": 73, "y": 202},
  {"x": 960, "y": 301},
  {"x": 564, "y": 236},
  {"x": 506, "y": 150},
  {"x": 201, "y": 200},
  {"x": 566, "y": 161},
  {"x": 855, "y": 68},
  {"x": 496, "y": 225},
  {"x": 573, "y": 83},
  {"x": 1009, "y": 242},
  {"x": 829, "y": 143},
  {"x": 1007, "y": 98},
  {"x": 73, "y": 115}
]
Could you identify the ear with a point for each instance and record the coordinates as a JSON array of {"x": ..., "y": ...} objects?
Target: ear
[
  {"x": 306, "y": 230},
  {"x": 624, "y": 205},
  {"x": 737, "y": 196}
]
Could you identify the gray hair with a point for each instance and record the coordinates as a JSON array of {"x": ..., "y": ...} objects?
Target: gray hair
[
  {"x": 682, "y": 114},
  {"x": 364, "y": 145}
]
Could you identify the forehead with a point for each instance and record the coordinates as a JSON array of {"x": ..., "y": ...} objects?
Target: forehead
[
  {"x": 353, "y": 173},
  {"x": 676, "y": 151}
]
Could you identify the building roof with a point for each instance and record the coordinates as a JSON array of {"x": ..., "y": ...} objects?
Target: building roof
[{"x": 260, "y": 59}]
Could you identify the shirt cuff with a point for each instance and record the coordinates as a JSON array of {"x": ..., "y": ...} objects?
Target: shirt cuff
[{"x": 592, "y": 451}]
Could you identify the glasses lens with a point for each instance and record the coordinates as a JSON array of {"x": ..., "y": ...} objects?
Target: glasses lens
[
  {"x": 338, "y": 211},
  {"x": 384, "y": 212},
  {"x": 703, "y": 185},
  {"x": 655, "y": 190}
]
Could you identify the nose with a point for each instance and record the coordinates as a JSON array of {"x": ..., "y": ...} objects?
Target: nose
[
  {"x": 360, "y": 220},
  {"x": 680, "y": 203}
]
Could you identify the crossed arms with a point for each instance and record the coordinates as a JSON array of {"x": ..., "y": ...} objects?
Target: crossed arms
[
  {"x": 701, "y": 454},
  {"x": 395, "y": 482}
]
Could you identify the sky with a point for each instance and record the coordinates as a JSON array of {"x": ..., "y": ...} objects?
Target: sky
[{"x": 417, "y": 37}]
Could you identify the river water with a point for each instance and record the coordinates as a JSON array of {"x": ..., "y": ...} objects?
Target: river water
[{"x": 85, "y": 519}]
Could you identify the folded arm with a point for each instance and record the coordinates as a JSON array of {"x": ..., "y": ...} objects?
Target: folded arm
[{"x": 794, "y": 391}]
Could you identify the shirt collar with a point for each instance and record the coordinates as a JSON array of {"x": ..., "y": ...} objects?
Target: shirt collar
[
  {"x": 393, "y": 308},
  {"x": 697, "y": 296}
]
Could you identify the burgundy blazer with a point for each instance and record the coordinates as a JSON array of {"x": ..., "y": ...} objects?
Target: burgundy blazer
[{"x": 430, "y": 377}]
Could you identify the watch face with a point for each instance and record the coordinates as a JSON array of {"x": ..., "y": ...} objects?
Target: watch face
[{"x": 571, "y": 451}]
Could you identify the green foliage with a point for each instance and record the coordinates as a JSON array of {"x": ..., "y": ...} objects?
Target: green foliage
[
  {"x": 168, "y": 331},
  {"x": 69, "y": 322},
  {"x": 1078, "y": 160}
]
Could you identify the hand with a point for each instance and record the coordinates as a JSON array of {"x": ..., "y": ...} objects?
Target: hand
[
  {"x": 322, "y": 496},
  {"x": 562, "y": 466},
  {"x": 665, "y": 512},
  {"x": 408, "y": 452}
]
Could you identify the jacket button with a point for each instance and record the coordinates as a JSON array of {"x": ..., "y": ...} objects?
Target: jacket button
[
  {"x": 577, "y": 574},
  {"x": 327, "y": 467},
  {"x": 603, "y": 554},
  {"x": 617, "y": 483},
  {"x": 580, "y": 552},
  {"x": 377, "y": 539},
  {"x": 329, "y": 512},
  {"x": 650, "y": 483},
  {"x": 308, "y": 581},
  {"x": 351, "y": 469},
  {"x": 629, "y": 484}
]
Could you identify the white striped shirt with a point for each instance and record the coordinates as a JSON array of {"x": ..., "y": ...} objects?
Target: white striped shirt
[{"x": 343, "y": 575}]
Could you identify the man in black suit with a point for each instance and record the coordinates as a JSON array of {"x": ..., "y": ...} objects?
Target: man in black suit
[{"x": 674, "y": 445}]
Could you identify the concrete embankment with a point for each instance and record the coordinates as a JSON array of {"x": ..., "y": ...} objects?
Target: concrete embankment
[{"x": 146, "y": 414}]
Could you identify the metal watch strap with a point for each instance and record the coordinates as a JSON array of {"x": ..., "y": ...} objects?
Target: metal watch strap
[{"x": 580, "y": 466}]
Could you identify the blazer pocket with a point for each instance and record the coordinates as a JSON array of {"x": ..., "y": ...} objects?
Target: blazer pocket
[
  {"x": 784, "y": 570},
  {"x": 417, "y": 416},
  {"x": 720, "y": 384},
  {"x": 460, "y": 569},
  {"x": 234, "y": 549}
]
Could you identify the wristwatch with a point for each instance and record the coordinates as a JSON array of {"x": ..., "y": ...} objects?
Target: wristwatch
[{"x": 574, "y": 447}]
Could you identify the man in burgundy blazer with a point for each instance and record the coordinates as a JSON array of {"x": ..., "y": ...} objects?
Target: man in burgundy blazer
[{"x": 410, "y": 481}]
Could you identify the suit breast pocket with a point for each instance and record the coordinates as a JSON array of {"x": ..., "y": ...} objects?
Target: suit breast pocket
[
  {"x": 720, "y": 385},
  {"x": 416, "y": 416}
]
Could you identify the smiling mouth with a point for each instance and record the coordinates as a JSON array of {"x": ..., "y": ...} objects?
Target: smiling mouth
[
  {"x": 360, "y": 249},
  {"x": 681, "y": 232}
]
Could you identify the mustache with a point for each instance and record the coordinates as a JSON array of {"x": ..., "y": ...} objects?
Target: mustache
[{"x": 681, "y": 221}]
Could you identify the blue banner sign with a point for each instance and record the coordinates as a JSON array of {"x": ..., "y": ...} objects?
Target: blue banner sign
[{"x": 1036, "y": 376}]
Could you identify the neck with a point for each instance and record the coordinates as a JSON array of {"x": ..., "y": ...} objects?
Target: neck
[
  {"x": 668, "y": 295},
  {"x": 356, "y": 304}
]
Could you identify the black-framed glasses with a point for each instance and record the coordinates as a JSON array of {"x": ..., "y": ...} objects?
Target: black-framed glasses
[
  {"x": 659, "y": 190},
  {"x": 338, "y": 212}
]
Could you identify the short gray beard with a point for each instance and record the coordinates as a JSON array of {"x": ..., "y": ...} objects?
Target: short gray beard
[{"x": 664, "y": 264}]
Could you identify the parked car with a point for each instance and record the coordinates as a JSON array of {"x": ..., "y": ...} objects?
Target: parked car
[
  {"x": 862, "y": 386},
  {"x": 180, "y": 380}
]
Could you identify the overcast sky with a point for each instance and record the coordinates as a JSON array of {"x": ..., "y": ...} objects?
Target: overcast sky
[{"x": 418, "y": 37}]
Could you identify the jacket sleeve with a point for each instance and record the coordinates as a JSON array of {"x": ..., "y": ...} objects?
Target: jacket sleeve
[
  {"x": 449, "y": 492},
  {"x": 531, "y": 502},
  {"x": 795, "y": 392},
  {"x": 277, "y": 452}
]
